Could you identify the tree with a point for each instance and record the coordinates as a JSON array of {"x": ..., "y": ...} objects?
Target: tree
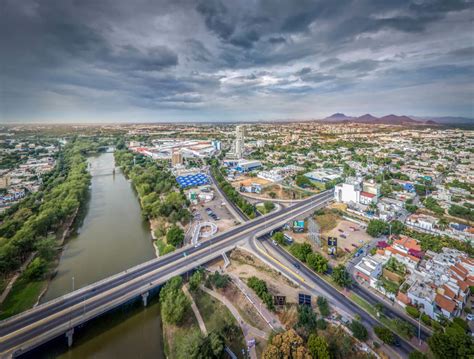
[
  {"x": 341, "y": 276},
  {"x": 318, "y": 347},
  {"x": 358, "y": 330},
  {"x": 174, "y": 303},
  {"x": 301, "y": 250},
  {"x": 175, "y": 236},
  {"x": 279, "y": 238},
  {"x": 196, "y": 280},
  {"x": 417, "y": 355},
  {"x": 412, "y": 312},
  {"x": 36, "y": 269},
  {"x": 384, "y": 335},
  {"x": 317, "y": 262},
  {"x": 405, "y": 328},
  {"x": 323, "y": 306},
  {"x": 307, "y": 318},
  {"x": 268, "y": 206},
  {"x": 377, "y": 227},
  {"x": 46, "y": 248},
  {"x": 452, "y": 343},
  {"x": 286, "y": 345}
]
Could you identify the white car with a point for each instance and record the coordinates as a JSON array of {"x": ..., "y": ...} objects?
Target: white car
[{"x": 470, "y": 317}]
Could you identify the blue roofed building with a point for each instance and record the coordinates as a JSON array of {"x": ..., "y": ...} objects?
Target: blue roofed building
[{"x": 194, "y": 180}]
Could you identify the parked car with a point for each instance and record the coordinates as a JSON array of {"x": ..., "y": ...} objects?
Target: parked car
[{"x": 470, "y": 317}]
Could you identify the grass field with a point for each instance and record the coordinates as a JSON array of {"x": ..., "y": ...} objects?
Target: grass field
[
  {"x": 23, "y": 296},
  {"x": 216, "y": 316},
  {"x": 174, "y": 336}
]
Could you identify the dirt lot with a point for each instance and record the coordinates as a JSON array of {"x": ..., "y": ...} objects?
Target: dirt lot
[
  {"x": 284, "y": 193},
  {"x": 245, "y": 265},
  {"x": 247, "y": 181},
  {"x": 354, "y": 238}
]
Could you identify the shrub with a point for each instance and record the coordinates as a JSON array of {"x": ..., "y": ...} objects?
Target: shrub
[
  {"x": 384, "y": 335},
  {"x": 323, "y": 306},
  {"x": 358, "y": 330},
  {"x": 412, "y": 312}
]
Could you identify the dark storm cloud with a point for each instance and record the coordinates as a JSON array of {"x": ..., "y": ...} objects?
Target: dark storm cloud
[{"x": 209, "y": 55}]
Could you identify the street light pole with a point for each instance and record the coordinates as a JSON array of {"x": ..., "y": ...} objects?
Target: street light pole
[{"x": 419, "y": 329}]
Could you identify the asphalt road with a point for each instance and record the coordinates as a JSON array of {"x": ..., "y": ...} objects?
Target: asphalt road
[{"x": 55, "y": 313}]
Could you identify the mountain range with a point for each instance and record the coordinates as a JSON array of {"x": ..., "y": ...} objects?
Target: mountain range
[{"x": 397, "y": 120}]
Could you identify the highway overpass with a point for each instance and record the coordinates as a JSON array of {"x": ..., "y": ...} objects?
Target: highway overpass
[{"x": 34, "y": 327}]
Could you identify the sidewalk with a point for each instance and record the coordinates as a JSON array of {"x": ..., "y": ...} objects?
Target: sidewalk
[
  {"x": 248, "y": 331},
  {"x": 195, "y": 309},
  {"x": 271, "y": 319}
]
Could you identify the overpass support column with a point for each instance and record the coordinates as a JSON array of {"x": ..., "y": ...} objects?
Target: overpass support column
[
  {"x": 145, "y": 299},
  {"x": 69, "y": 336}
]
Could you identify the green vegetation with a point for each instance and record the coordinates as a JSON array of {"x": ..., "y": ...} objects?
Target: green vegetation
[
  {"x": 384, "y": 335},
  {"x": 197, "y": 345},
  {"x": 461, "y": 212},
  {"x": 377, "y": 227},
  {"x": 433, "y": 205},
  {"x": 279, "y": 238},
  {"x": 230, "y": 192},
  {"x": 358, "y": 330},
  {"x": 301, "y": 250},
  {"x": 217, "y": 280},
  {"x": 266, "y": 207},
  {"x": 260, "y": 288},
  {"x": 219, "y": 319},
  {"x": 395, "y": 266},
  {"x": 155, "y": 186},
  {"x": 174, "y": 303},
  {"x": 175, "y": 236},
  {"x": 307, "y": 320},
  {"x": 196, "y": 279},
  {"x": 318, "y": 347},
  {"x": 317, "y": 262},
  {"x": 323, "y": 306},
  {"x": 452, "y": 342},
  {"x": 33, "y": 224},
  {"x": 341, "y": 276},
  {"x": 412, "y": 312}
]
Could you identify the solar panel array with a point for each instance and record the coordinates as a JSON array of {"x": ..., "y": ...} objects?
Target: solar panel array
[{"x": 192, "y": 180}]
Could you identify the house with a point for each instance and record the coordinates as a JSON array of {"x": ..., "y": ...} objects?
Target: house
[
  {"x": 370, "y": 268},
  {"x": 422, "y": 222}
]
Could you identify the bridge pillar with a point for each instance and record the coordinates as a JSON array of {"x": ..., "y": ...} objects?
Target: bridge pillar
[
  {"x": 69, "y": 336},
  {"x": 145, "y": 298}
]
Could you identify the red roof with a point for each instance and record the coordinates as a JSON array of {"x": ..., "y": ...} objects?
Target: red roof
[{"x": 367, "y": 194}]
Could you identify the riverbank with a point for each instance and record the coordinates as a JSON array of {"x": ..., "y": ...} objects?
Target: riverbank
[
  {"x": 162, "y": 205},
  {"x": 47, "y": 225}
]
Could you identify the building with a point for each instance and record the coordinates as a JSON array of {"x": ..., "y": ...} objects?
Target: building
[
  {"x": 176, "y": 158},
  {"x": 370, "y": 268},
  {"x": 216, "y": 144},
  {"x": 248, "y": 165},
  {"x": 5, "y": 181},
  {"x": 324, "y": 175},
  {"x": 422, "y": 222},
  {"x": 239, "y": 141},
  {"x": 348, "y": 192},
  {"x": 441, "y": 285}
]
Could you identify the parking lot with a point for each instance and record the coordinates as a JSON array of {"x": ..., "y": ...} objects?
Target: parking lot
[{"x": 217, "y": 213}]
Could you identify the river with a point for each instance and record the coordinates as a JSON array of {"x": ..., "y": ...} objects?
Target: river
[{"x": 112, "y": 238}]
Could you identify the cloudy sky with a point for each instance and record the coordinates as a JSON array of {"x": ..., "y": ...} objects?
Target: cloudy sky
[{"x": 216, "y": 60}]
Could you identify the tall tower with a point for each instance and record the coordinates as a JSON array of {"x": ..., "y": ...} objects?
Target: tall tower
[{"x": 239, "y": 140}]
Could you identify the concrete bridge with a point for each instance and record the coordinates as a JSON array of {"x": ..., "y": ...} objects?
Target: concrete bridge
[{"x": 60, "y": 316}]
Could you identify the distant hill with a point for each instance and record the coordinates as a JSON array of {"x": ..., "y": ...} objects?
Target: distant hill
[
  {"x": 367, "y": 118},
  {"x": 399, "y": 120},
  {"x": 395, "y": 120},
  {"x": 447, "y": 120},
  {"x": 338, "y": 117}
]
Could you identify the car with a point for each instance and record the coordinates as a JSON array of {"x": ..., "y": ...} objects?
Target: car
[
  {"x": 340, "y": 230},
  {"x": 396, "y": 342},
  {"x": 297, "y": 265},
  {"x": 274, "y": 242},
  {"x": 470, "y": 317},
  {"x": 197, "y": 244},
  {"x": 342, "y": 236}
]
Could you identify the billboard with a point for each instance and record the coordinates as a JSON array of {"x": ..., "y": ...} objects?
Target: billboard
[
  {"x": 298, "y": 226},
  {"x": 332, "y": 241}
]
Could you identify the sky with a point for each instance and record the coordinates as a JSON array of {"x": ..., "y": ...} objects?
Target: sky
[{"x": 248, "y": 60}]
